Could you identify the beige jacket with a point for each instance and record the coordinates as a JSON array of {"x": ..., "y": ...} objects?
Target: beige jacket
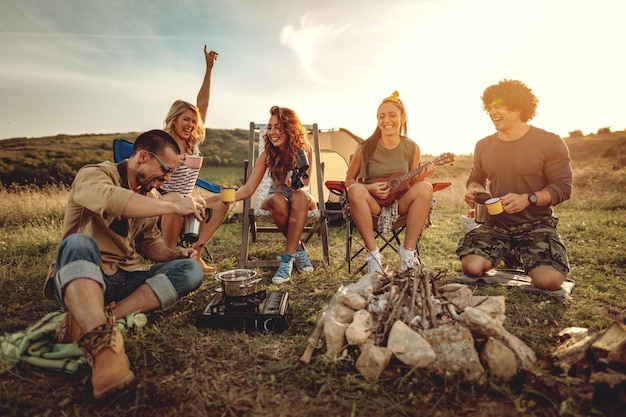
[{"x": 94, "y": 207}]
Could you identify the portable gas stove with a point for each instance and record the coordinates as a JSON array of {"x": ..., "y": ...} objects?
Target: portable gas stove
[{"x": 260, "y": 311}]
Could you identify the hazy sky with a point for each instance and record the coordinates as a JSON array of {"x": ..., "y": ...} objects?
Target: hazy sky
[{"x": 108, "y": 66}]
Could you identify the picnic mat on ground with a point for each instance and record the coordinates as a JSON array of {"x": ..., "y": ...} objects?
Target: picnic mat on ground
[
  {"x": 37, "y": 345},
  {"x": 517, "y": 278}
]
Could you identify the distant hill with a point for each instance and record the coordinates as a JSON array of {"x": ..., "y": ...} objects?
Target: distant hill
[
  {"x": 56, "y": 159},
  {"x": 611, "y": 146}
]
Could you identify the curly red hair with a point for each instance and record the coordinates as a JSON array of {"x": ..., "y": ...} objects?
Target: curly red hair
[{"x": 296, "y": 134}]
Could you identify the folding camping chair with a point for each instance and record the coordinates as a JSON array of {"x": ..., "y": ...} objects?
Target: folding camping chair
[
  {"x": 257, "y": 220},
  {"x": 391, "y": 241}
]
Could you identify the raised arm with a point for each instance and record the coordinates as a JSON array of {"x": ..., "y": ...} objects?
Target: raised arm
[{"x": 205, "y": 89}]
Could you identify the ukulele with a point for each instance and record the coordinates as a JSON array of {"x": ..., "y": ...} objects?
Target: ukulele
[{"x": 398, "y": 183}]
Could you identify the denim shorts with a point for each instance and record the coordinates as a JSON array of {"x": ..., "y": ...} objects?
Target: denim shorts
[
  {"x": 285, "y": 192},
  {"x": 538, "y": 243}
]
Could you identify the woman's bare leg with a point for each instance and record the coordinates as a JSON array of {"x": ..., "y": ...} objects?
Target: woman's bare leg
[
  {"x": 362, "y": 207},
  {"x": 415, "y": 203},
  {"x": 218, "y": 211}
]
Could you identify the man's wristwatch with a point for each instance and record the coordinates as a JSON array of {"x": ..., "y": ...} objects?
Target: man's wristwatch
[{"x": 532, "y": 199}]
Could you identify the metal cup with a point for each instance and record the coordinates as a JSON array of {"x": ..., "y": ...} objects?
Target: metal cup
[
  {"x": 480, "y": 208},
  {"x": 192, "y": 227}
]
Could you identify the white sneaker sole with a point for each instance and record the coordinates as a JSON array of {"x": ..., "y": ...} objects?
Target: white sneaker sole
[{"x": 278, "y": 281}]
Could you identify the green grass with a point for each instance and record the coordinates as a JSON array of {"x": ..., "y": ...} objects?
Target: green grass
[{"x": 184, "y": 370}]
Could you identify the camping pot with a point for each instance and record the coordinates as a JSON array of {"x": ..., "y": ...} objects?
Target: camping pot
[
  {"x": 480, "y": 208},
  {"x": 238, "y": 282}
]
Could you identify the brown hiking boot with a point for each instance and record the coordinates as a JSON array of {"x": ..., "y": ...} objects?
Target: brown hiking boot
[
  {"x": 104, "y": 349},
  {"x": 69, "y": 331}
]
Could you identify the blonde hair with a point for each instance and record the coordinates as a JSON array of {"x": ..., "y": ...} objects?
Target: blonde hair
[{"x": 198, "y": 134}]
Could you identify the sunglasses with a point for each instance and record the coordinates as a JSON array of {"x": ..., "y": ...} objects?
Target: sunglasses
[{"x": 165, "y": 168}]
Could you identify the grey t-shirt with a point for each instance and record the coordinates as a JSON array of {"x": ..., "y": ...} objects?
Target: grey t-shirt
[
  {"x": 536, "y": 161},
  {"x": 385, "y": 162}
]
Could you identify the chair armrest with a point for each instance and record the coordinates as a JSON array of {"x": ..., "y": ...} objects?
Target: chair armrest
[
  {"x": 440, "y": 185},
  {"x": 336, "y": 187}
]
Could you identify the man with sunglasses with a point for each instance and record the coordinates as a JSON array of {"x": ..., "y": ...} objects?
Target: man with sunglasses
[{"x": 110, "y": 228}]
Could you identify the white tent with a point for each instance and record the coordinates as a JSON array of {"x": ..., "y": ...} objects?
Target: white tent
[{"x": 336, "y": 147}]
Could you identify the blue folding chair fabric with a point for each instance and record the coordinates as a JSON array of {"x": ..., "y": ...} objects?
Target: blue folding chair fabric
[
  {"x": 122, "y": 149},
  {"x": 207, "y": 185}
]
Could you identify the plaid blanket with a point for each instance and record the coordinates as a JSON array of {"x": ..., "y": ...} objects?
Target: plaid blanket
[
  {"x": 37, "y": 345},
  {"x": 388, "y": 215}
]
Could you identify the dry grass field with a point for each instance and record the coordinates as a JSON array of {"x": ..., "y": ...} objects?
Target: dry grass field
[{"x": 183, "y": 370}]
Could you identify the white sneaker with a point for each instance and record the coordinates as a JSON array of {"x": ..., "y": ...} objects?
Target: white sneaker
[
  {"x": 408, "y": 260},
  {"x": 374, "y": 262},
  {"x": 301, "y": 260}
]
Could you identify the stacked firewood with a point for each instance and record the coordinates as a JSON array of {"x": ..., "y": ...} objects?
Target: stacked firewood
[
  {"x": 588, "y": 362},
  {"x": 592, "y": 354}
]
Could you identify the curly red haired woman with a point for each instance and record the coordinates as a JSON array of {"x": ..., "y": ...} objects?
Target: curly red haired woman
[{"x": 287, "y": 203}]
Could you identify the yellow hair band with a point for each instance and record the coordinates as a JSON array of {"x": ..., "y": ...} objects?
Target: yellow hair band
[{"x": 393, "y": 97}]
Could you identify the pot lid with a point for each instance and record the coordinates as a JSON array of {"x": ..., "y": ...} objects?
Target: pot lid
[{"x": 236, "y": 275}]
